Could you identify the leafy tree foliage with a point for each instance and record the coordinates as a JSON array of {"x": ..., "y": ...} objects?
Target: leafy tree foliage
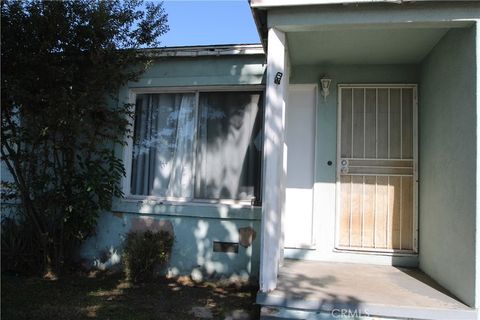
[{"x": 63, "y": 63}]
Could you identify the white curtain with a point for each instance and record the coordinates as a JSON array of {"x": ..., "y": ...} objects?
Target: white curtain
[
  {"x": 228, "y": 165},
  {"x": 163, "y": 148}
]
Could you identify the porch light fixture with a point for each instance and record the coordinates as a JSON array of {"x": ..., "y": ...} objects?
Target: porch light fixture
[{"x": 325, "y": 87}]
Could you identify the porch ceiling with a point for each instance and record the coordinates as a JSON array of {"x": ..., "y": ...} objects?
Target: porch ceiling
[{"x": 362, "y": 46}]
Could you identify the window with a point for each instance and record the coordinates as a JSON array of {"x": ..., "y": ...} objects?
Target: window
[{"x": 198, "y": 145}]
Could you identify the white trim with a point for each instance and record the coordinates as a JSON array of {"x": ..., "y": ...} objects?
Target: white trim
[
  {"x": 208, "y": 50},
  {"x": 388, "y": 130},
  {"x": 415, "y": 169},
  {"x": 193, "y": 89},
  {"x": 364, "y": 119},
  {"x": 191, "y": 202},
  {"x": 316, "y": 169},
  {"x": 381, "y": 159},
  {"x": 353, "y": 121},
  {"x": 477, "y": 163},
  {"x": 291, "y": 3},
  {"x": 401, "y": 122},
  {"x": 337, "y": 164},
  {"x": 387, "y": 230},
  {"x": 339, "y": 248},
  {"x": 376, "y": 127}
]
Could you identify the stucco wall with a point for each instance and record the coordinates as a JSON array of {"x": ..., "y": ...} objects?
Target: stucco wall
[
  {"x": 326, "y": 146},
  {"x": 195, "y": 226},
  {"x": 204, "y": 71},
  {"x": 447, "y": 168},
  {"x": 193, "y": 246}
]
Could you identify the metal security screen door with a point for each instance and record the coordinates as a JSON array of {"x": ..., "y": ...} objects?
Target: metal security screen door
[{"x": 376, "y": 168}]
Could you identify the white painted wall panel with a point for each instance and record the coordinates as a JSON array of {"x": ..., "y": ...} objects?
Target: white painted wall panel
[
  {"x": 273, "y": 202},
  {"x": 300, "y": 141}
]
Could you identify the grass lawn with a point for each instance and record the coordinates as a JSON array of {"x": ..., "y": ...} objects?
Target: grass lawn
[{"x": 109, "y": 296}]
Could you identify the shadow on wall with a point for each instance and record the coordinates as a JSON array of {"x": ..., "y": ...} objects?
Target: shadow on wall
[
  {"x": 195, "y": 227},
  {"x": 193, "y": 250}
]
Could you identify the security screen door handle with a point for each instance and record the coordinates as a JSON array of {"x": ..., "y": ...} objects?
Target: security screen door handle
[{"x": 344, "y": 166}]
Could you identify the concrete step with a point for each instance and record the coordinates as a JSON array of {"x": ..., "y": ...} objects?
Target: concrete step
[{"x": 275, "y": 313}]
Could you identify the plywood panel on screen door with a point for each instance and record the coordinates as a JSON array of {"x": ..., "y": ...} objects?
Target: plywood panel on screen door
[{"x": 376, "y": 168}]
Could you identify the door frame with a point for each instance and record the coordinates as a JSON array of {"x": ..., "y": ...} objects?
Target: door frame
[{"x": 415, "y": 169}]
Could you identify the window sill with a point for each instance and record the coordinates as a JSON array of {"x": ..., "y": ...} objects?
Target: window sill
[
  {"x": 186, "y": 208},
  {"x": 186, "y": 201}
]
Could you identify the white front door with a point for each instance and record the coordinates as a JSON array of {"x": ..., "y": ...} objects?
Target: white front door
[
  {"x": 300, "y": 124},
  {"x": 376, "y": 168}
]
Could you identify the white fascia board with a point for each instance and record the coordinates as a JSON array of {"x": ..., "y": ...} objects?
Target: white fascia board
[
  {"x": 477, "y": 234},
  {"x": 215, "y": 50},
  {"x": 288, "y": 3}
]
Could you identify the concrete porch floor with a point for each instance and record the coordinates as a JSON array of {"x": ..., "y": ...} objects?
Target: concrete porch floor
[{"x": 369, "y": 290}]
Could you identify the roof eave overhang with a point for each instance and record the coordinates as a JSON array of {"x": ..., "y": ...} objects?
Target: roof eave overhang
[
  {"x": 260, "y": 19},
  {"x": 265, "y": 4},
  {"x": 260, "y": 9},
  {"x": 209, "y": 50}
]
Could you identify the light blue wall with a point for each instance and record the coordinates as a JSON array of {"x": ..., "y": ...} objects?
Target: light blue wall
[
  {"x": 326, "y": 150},
  {"x": 447, "y": 168},
  {"x": 193, "y": 246},
  {"x": 447, "y": 158},
  {"x": 204, "y": 71},
  {"x": 326, "y": 145},
  {"x": 195, "y": 226}
]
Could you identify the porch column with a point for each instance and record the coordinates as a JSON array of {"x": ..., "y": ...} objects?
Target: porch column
[{"x": 274, "y": 176}]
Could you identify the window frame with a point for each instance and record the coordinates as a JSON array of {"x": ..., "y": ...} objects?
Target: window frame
[{"x": 196, "y": 90}]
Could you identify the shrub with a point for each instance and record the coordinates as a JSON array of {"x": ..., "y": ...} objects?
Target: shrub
[
  {"x": 17, "y": 246},
  {"x": 144, "y": 252}
]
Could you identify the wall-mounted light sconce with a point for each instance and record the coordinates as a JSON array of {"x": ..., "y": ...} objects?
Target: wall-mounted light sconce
[{"x": 325, "y": 87}]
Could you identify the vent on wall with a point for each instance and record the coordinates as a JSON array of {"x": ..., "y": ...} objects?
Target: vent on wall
[{"x": 219, "y": 246}]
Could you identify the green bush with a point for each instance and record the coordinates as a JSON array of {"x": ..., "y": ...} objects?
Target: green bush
[
  {"x": 18, "y": 247},
  {"x": 144, "y": 252}
]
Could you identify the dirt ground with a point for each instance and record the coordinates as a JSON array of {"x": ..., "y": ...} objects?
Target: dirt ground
[{"x": 110, "y": 296}]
